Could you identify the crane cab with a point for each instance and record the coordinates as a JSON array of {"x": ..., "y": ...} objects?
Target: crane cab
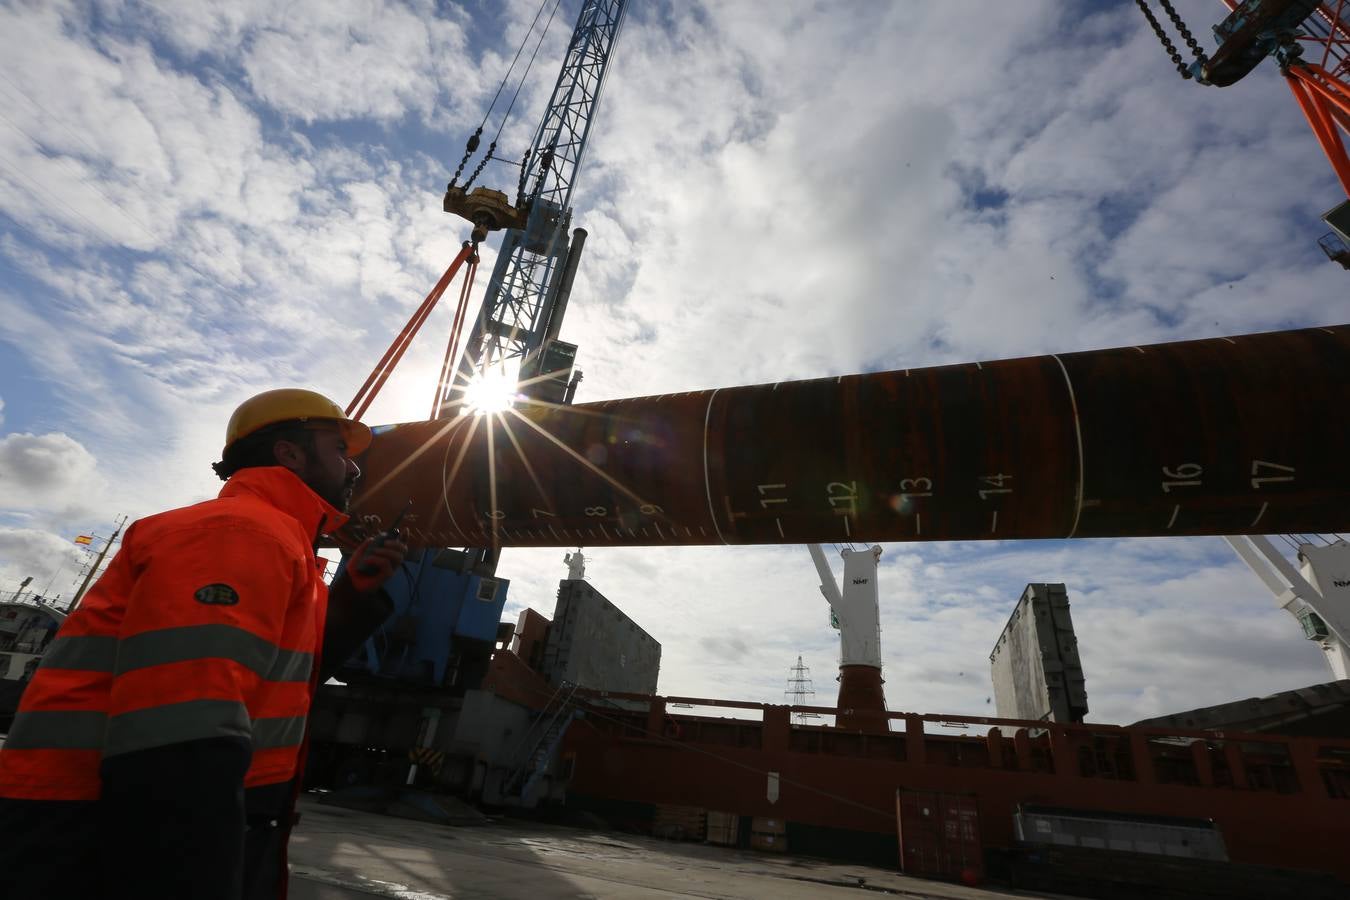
[
  {"x": 1335, "y": 248},
  {"x": 1336, "y": 242}
]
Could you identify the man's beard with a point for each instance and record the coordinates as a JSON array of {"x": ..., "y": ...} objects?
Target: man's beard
[{"x": 337, "y": 496}]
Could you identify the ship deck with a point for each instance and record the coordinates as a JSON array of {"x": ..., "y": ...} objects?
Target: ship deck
[{"x": 343, "y": 854}]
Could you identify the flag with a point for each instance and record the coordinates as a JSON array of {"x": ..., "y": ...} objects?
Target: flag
[{"x": 85, "y": 539}]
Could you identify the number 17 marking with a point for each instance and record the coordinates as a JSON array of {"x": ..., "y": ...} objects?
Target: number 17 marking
[{"x": 1258, "y": 465}]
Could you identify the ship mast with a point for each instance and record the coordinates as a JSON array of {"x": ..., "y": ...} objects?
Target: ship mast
[{"x": 93, "y": 570}]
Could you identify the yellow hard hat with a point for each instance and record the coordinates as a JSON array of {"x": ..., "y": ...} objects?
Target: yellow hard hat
[{"x": 294, "y": 405}]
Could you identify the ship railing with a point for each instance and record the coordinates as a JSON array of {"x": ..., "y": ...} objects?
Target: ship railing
[{"x": 1221, "y": 759}]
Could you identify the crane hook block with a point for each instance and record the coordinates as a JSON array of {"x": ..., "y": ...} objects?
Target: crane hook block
[
  {"x": 1253, "y": 30},
  {"x": 486, "y": 209}
]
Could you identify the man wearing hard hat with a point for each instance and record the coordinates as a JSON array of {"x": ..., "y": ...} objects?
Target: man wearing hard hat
[{"x": 159, "y": 748}]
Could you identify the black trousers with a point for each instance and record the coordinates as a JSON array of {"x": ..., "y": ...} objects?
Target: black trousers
[{"x": 51, "y": 850}]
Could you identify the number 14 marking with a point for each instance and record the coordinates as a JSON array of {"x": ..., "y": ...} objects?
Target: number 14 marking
[{"x": 998, "y": 488}]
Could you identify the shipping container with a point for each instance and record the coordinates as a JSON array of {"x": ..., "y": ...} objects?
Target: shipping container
[
  {"x": 1160, "y": 835},
  {"x": 939, "y": 835},
  {"x": 723, "y": 828}
]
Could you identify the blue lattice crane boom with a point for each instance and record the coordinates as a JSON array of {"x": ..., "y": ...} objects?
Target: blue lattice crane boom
[{"x": 522, "y": 306}]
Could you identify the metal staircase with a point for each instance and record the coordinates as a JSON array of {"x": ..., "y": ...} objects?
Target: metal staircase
[{"x": 540, "y": 743}]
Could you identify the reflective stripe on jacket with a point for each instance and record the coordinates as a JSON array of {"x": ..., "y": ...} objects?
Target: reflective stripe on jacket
[{"x": 208, "y": 623}]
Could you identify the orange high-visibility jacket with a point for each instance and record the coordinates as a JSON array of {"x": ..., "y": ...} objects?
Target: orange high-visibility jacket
[{"x": 208, "y": 623}]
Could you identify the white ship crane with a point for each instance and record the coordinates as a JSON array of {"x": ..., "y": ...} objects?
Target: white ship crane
[
  {"x": 1317, "y": 593},
  {"x": 854, "y": 611}
]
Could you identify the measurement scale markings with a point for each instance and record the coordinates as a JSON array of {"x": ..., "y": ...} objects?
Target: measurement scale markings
[
  {"x": 1172, "y": 521},
  {"x": 1260, "y": 514}
]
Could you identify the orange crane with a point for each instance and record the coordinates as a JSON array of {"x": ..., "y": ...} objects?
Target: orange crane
[{"x": 1310, "y": 42}]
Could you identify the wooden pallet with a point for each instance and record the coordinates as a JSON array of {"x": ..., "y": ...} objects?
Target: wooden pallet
[{"x": 680, "y": 823}]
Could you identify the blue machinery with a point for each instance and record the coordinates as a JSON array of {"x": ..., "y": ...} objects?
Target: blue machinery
[{"x": 436, "y": 606}]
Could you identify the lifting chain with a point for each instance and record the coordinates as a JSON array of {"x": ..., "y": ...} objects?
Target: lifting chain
[
  {"x": 545, "y": 162},
  {"x": 1185, "y": 32},
  {"x": 482, "y": 162},
  {"x": 1166, "y": 41},
  {"x": 469, "y": 147},
  {"x": 524, "y": 174}
]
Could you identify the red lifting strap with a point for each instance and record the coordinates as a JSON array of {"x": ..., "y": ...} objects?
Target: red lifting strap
[
  {"x": 447, "y": 374},
  {"x": 380, "y": 374}
]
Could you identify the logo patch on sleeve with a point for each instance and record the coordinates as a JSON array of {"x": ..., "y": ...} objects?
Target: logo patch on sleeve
[{"x": 217, "y": 595}]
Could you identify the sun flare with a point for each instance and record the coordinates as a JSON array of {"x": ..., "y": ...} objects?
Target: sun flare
[{"x": 490, "y": 392}]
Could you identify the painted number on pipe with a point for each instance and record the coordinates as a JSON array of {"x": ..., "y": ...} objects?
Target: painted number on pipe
[
  {"x": 916, "y": 487},
  {"x": 766, "y": 502},
  {"x": 1260, "y": 466},
  {"x": 843, "y": 497},
  {"x": 997, "y": 481},
  {"x": 1184, "y": 475}
]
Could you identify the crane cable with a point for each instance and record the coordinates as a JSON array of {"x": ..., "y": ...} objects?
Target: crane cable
[{"x": 471, "y": 146}]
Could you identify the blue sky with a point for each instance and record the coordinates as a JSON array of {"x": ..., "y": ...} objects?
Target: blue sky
[{"x": 199, "y": 201}]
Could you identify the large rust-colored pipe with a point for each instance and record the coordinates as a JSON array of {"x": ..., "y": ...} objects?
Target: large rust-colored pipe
[{"x": 1233, "y": 435}]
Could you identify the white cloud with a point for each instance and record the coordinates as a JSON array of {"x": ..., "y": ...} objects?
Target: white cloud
[
  {"x": 47, "y": 471},
  {"x": 333, "y": 61},
  {"x": 818, "y": 219},
  {"x": 46, "y": 558}
]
